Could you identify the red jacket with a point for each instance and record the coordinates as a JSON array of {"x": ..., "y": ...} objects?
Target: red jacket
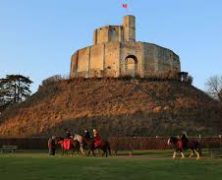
[{"x": 97, "y": 140}]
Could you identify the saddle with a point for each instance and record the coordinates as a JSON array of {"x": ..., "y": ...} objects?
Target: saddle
[
  {"x": 179, "y": 144},
  {"x": 97, "y": 142},
  {"x": 66, "y": 144}
]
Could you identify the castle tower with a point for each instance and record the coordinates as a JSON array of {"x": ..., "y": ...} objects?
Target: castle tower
[
  {"x": 116, "y": 53},
  {"x": 129, "y": 28}
]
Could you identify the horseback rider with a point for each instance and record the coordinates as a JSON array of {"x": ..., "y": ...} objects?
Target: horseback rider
[
  {"x": 87, "y": 135},
  {"x": 184, "y": 140},
  {"x": 68, "y": 134},
  {"x": 96, "y": 138},
  {"x": 66, "y": 142},
  {"x": 52, "y": 145}
]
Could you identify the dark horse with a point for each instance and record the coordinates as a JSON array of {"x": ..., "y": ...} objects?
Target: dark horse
[
  {"x": 180, "y": 144},
  {"x": 104, "y": 146},
  {"x": 68, "y": 145}
]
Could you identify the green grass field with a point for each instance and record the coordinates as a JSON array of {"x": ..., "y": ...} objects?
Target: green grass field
[{"x": 149, "y": 165}]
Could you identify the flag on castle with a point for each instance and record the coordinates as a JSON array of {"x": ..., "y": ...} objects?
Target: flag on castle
[{"x": 124, "y": 5}]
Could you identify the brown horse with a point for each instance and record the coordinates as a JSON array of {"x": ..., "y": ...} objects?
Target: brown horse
[
  {"x": 88, "y": 144},
  {"x": 193, "y": 145},
  {"x": 68, "y": 145},
  {"x": 104, "y": 146},
  {"x": 177, "y": 146}
]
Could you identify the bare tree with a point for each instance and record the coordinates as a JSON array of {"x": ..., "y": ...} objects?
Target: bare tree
[{"x": 214, "y": 85}]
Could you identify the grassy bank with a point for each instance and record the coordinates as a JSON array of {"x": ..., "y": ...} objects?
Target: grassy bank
[{"x": 150, "y": 166}]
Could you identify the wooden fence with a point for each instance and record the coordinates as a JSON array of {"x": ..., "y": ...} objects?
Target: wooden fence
[{"x": 118, "y": 143}]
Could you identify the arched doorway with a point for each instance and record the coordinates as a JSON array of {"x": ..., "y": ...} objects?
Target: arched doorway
[{"x": 131, "y": 65}]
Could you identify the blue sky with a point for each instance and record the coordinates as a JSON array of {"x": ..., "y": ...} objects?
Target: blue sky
[{"x": 37, "y": 37}]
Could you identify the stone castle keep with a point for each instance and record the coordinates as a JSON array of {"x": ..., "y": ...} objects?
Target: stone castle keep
[{"x": 115, "y": 53}]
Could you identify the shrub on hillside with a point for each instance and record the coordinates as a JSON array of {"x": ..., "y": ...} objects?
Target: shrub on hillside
[{"x": 52, "y": 79}]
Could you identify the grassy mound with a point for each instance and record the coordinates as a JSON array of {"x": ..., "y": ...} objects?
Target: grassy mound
[{"x": 115, "y": 107}]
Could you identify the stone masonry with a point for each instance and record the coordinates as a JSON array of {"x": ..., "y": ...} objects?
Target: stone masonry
[{"x": 115, "y": 53}]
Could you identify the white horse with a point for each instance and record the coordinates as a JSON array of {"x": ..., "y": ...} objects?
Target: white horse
[{"x": 79, "y": 138}]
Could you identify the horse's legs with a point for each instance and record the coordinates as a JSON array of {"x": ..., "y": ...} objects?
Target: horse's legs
[
  {"x": 174, "y": 154},
  {"x": 191, "y": 153},
  {"x": 182, "y": 155},
  {"x": 72, "y": 151},
  {"x": 99, "y": 151},
  {"x": 197, "y": 153},
  {"x": 105, "y": 152},
  {"x": 88, "y": 154},
  {"x": 93, "y": 152},
  {"x": 108, "y": 149},
  {"x": 81, "y": 149}
]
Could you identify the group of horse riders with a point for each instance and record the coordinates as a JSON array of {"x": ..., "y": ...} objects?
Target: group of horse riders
[
  {"x": 66, "y": 142},
  {"x": 179, "y": 143}
]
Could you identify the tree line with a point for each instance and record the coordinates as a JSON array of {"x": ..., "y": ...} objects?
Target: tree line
[{"x": 13, "y": 89}]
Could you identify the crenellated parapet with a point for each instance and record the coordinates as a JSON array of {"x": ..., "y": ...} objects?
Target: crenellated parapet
[{"x": 115, "y": 53}]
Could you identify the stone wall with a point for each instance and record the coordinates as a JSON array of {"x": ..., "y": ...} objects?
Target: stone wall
[
  {"x": 129, "y": 27},
  {"x": 83, "y": 62},
  {"x": 116, "y": 53},
  {"x": 121, "y": 33},
  {"x": 112, "y": 56},
  {"x": 116, "y": 59},
  {"x": 135, "y": 52},
  {"x": 108, "y": 34},
  {"x": 96, "y": 60},
  {"x": 159, "y": 60}
]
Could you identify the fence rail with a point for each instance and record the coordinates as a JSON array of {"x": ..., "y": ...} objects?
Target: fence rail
[{"x": 118, "y": 143}]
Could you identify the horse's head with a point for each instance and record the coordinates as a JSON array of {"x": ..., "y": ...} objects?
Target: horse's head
[{"x": 184, "y": 136}]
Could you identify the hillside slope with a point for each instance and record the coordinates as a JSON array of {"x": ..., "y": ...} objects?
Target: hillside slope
[{"x": 115, "y": 107}]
